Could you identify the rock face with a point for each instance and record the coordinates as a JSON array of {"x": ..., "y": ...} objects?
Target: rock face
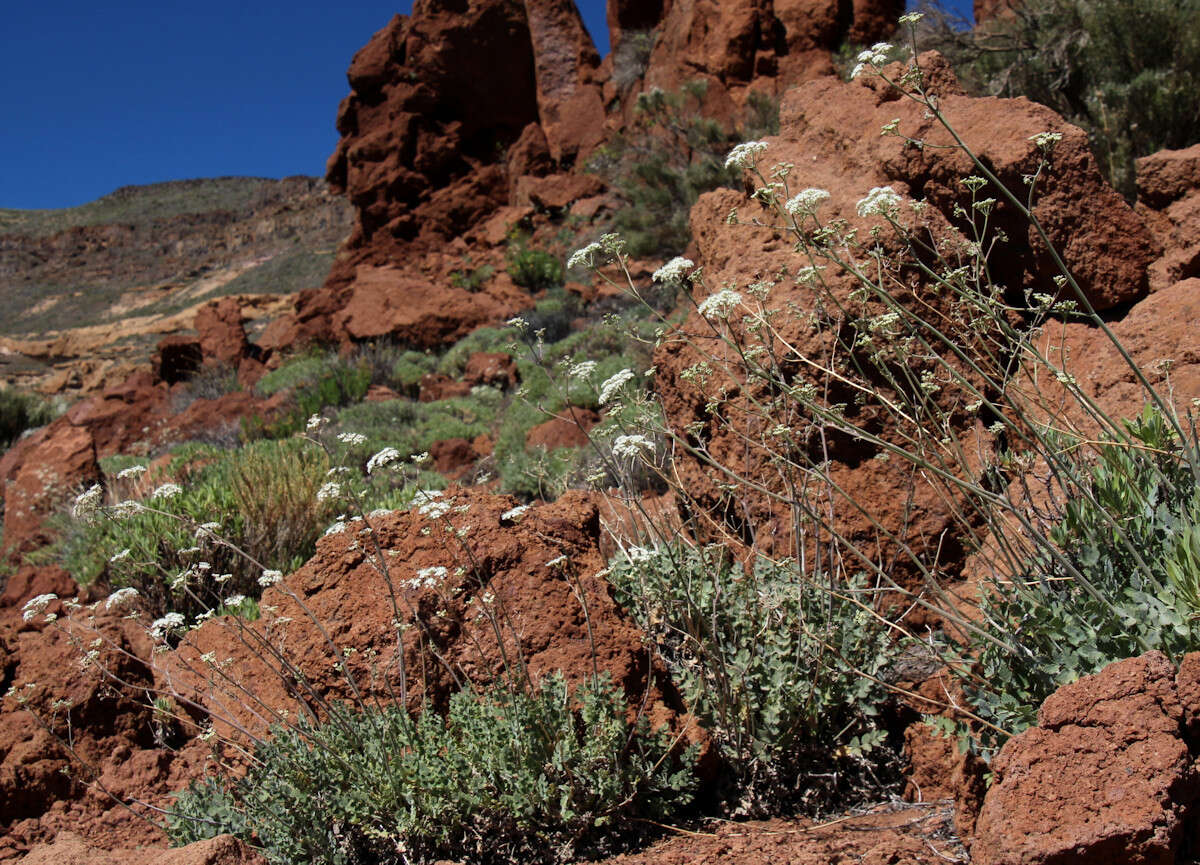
[
  {"x": 1169, "y": 199},
  {"x": 830, "y": 133},
  {"x": 1107, "y": 775}
]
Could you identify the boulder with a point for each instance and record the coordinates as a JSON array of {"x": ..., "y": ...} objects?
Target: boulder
[
  {"x": 1106, "y": 776},
  {"x": 494, "y": 368}
]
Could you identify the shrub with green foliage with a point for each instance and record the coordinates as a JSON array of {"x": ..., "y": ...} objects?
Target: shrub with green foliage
[
  {"x": 1126, "y": 72},
  {"x": 20, "y": 412},
  {"x": 535, "y": 269},
  {"x": 784, "y": 673},
  {"x": 672, "y": 155},
  {"x": 318, "y": 380},
  {"x": 1123, "y": 579},
  {"x": 262, "y": 498},
  {"x": 504, "y": 774}
]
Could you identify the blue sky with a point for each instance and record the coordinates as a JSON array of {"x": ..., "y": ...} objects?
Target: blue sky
[{"x": 100, "y": 95}]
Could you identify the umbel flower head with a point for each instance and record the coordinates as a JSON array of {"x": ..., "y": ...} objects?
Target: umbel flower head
[
  {"x": 882, "y": 200},
  {"x": 745, "y": 155},
  {"x": 674, "y": 270},
  {"x": 719, "y": 305}
]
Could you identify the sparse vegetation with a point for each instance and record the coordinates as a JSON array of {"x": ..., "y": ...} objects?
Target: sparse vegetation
[{"x": 20, "y": 412}]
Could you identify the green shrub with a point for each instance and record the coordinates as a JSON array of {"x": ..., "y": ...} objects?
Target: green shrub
[
  {"x": 1126, "y": 72},
  {"x": 317, "y": 381},
  {"x": 783, "y": 672},
  {"x": 474, "y": 279},
  {"x": 534, "y": 269},
  {"x": 20, "y": 412},
  {"x": 262, "y": 498},
  {"x": 668, "y": 159},
  {"x": 503, "y": 775},
  {"x": 1123, "y": 579}
]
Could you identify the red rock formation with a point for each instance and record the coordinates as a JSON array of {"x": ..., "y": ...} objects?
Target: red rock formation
[
  {"x": 1169, "y": 199},
  {"x": 1106, "y": 776}
]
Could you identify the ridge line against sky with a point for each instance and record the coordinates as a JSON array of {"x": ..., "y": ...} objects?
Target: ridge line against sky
[{"x": 97, "y": 96}]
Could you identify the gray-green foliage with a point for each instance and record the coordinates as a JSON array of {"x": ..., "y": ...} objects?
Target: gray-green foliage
[
  {"x": 535, "y": 269},
  {"x": 504, "y": 774},
  {"x": 779, "y": 669},
  {"x": 19, "y": 412},
  {"x": 1122, "y": 579},
  {"x": 1127, "y": 71},
  {"x": 672, "y": 155}
]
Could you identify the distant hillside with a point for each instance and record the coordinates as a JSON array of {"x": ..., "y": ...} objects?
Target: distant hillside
[{"x": 145, "y": 252}]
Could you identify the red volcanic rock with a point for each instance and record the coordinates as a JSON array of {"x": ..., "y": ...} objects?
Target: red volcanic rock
[
  {"x": 437, "y": 386},
  {"x": 570, "y": 106},
  {"x": 495, "y": 368},
  {"x": 221, "y": 332},
  {"x": 1169, "y": 198},
  {"x": 59, "y": 461},
  {"x": 556, "y": 192},
  {"x": 29, "y": 582},
  {"x": 70, "y": 848},
  {"x": 569, "y": 431},
  {"x": 1105, "y": 777},
  {"x": 453, "y": 457},
  {"x": 478, "y": 589},
  {"x": 384, "y": 301}
]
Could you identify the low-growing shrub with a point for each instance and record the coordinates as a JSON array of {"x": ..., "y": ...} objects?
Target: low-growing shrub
[
  {"x": 783, "y": 673},
  {"x": 317, "y": 381},
  {"x": 1123, "y": 578},
  {"x": 534, "y": 269},
  {"x": 505, "y": 774},
  {"x": 20, "y": 412}
]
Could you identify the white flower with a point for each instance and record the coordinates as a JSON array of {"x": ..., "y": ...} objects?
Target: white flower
[
  {"x": 120, "y": 557},
  {"x": 745, "y": 155},
  {"x": 556, "y": 562},
  {"x": 87, "y": 502},
  {"x": 125, "y": 509},
  {"x": 270, "y": 578},
  {"x": 881, "y": 200},
  {"x": 911, "y": 18},
  {"x": 637, "y": 555},
  {"x": 329, "y": 491},
  {"x": 167, "y": 491},
  {"x": 351, "y": 438},
  {"x": 875, "y": 56},
  {"x": 719, "y": 305},
  {"x": 235, "y": 600},
  {"x": 420, "y": 459},
  {"x": 613, "y": 384},
  {"x": 582, "y": 371},
  {"x": 131, "y": 472},
  {"x": 379, "y": 513},
  {"x": 159, "y": 628},
  {"x": 1046, "y": 140},
  {"x": 383, "y": 458},
  {"x": 120, "y": 597},
  {"x": 631, "y": 446},
  {"x": 585, "y": 257},
  {"x": 37, "y": 605},
  {"x": 315, "y": 422},
  {"x": 514, "y": 513},
  {"x": 518, "y": 322},
  {"x": 336, "y": 529},
  {"x": 674, "y": 270},
  {"x": 806, "y": 202}
]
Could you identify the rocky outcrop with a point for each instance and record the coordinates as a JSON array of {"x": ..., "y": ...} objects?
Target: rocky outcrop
[
  {"x": 830, "y": 134},
  {"x": 1107, "y": 775},
  {"x": 1169, "y": 199}
]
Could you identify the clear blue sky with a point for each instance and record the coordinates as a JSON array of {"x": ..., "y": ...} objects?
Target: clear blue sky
[{"x": 101, "y": 95}]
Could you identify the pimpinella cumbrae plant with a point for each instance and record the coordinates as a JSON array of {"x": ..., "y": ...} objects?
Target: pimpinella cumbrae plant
[
  {"x": 783, "y": 673},
  {"x": 506, "y": 774}
]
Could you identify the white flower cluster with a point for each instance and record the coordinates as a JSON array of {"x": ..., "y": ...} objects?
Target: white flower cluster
[
  {"x": 167, "y": 491},
  {"x": 1046, "y": 140},
  {"x": 585, "y": 257},
  {"x": 385, "y": 457},
  {"x": 87, "y": 502},
  {"x": 874, "y": 57},
  {"x": 514, "y": 513},
  {"x": 428, "y": 578},
  {"x": 352, "y": 438},
  {"x": 582, "y": 371},
  {"x": 235, "y": 600},
  {"x": 120, "y": 557},
  {"x": 131, "y": 472},
  {"x": 674, "y": 270},
  {"x": 159, "y": 628},
  {"x": 329, "y": 491},
  {"x": 613, "y": 384},
  {"x": 745, "y": 155},
  {"x": 882, "y": 200},
  {"x": 630, "y": 447},
  {"x": 37, "y": 606},
  {"x": 270, "y": 578},
  {"x": 121, "y": 597},
  {"x": 315, "y": 422},
  {"x": 430, "y": 504},
  {"x": 556, "y": 562},
  {"x": 125, "y": 509},
  {"x": 719, "y": 305},
  {"x": 806, "y": 202}
]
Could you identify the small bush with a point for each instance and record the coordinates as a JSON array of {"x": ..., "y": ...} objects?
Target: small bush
[
  {"x": 534, "y": 269},
  {"x": 505, "y": 774},
  {"x": 20, "y": 412},
  {"x": 474, "y": 279},
  {"x": 1122, "y": 581},
  {"x": 783, "y": 672},
  {"x": 318, "y": 381}
]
